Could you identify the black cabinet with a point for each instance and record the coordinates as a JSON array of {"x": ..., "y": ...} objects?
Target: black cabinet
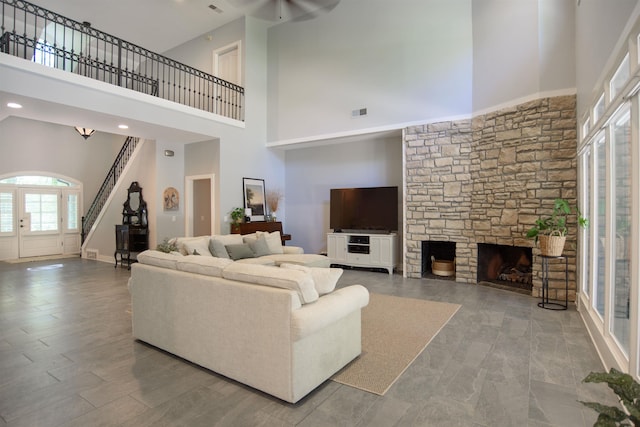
[
  {"x": 132, "y": 236},
  {"x": 130, "y": 240}
]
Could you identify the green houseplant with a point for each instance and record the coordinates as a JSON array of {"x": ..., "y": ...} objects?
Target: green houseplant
[
  {"x": 552, "y": 230},
  {"x": 237, "y": 215},
  {"x": 628, "y": 391}
]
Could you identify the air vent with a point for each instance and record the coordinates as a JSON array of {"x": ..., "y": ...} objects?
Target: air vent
[
  {"x": 215, "y": 8},
  {"x": 359, "y": 112},
  {"x": 91, "y": 253}
]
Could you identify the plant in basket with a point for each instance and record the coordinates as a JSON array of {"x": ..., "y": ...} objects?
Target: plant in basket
[{"x": 552, "y": 230}]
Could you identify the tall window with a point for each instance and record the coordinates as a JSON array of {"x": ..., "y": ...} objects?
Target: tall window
[
  {"x": 621, "y": 141},
  {"x": 7, "y": 212},
  {"x": 586, "y": 212},
  {"x": 600, "y": 223}
]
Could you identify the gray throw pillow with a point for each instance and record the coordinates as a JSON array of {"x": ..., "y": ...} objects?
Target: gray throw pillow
[
  {"x": 260, "y": 247},
  {"x": 237, "y": 252},
  {"x": 217, "y": 249}
]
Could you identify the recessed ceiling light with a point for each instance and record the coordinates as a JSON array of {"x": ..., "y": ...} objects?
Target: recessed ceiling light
[
  {"x": 123, "y": 126},
  {"x": 14, "y": 105}
]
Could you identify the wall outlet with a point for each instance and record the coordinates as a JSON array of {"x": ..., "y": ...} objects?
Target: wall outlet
[{"x": 358, "y": 113}]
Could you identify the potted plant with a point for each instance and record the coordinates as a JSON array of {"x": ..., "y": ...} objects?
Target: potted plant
[
  {"x": 628, "y": 391},
  {"x": 237, "y": 215},
  {"x": 552, "y": 230}
]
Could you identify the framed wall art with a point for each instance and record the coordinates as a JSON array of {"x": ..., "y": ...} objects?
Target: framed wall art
[{"x": 254, "y": 197}]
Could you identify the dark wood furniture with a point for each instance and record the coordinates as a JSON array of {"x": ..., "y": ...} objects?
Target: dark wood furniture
[
  {"x": 130, "y": 240},
  {"x": 268, "y": 226},
  {"x": 132, "y": 236}
]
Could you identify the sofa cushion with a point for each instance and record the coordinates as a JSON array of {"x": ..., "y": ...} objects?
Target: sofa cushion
[
  {"x": 209, "y": 266},
  {"x": 240, "y": 251},
  {"x": 180, "y": 241},
  {"x": 217, "y": 249},
  {"x": 248, "y": 238},
  {"x": 157, "y": 258},
  {"x": 262, "y": 260},
  {"x": 228, "y": 239},
  {"x": 324, "y": 279},
  {"x": 310, "y": 260},
  {"x": 273, "y": 240},
  {"x": 297, "y": 281},
  {"x": 260, "y": 247},
  {"x": 197, "y": 246}
]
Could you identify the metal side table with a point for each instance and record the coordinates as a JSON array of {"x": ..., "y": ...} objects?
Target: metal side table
[{"x": 557, "y": 304}]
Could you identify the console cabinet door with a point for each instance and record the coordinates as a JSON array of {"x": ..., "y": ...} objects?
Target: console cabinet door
[
  {"x": 337, "y": 247},
  {"x": 382, "y": 250}
]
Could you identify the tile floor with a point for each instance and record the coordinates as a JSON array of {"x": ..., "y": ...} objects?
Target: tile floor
[{"x": 67, "y": 359}]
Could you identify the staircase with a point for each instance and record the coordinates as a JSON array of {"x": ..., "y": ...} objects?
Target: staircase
[{"x": 108, "y": 185}]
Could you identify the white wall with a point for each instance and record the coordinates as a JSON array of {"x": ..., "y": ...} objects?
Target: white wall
[
  {"x": 599, "y": 25},
  {"x": 30, "y": 145},
  {"x": 312, "y": 172},
  {"x": 409, "y": 60}
]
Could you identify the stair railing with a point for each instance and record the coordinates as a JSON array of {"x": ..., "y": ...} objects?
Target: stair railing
[
  {"x": 36, "y": 34},
  {"x": 108, "y": 184}
]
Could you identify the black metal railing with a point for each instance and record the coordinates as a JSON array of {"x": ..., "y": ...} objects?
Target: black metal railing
[
  {"x": 39, "y": 35},
  {"x": 108, "y": 184}
]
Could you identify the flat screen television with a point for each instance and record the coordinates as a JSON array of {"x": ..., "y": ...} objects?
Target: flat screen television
[{"x": 364, "y": 209}]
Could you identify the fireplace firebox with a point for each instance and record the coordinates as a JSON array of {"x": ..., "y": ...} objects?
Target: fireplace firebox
[{"x": 505, "y": 266}]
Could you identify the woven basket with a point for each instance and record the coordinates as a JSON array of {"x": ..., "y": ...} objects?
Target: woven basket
[{"x": 552, "y": 245}]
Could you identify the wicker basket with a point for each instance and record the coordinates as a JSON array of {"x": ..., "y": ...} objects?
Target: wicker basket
[{"x": 552, "y": 245}]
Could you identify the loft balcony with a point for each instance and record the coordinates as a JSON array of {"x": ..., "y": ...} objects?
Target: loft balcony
[{"x": 39, "y": 35}]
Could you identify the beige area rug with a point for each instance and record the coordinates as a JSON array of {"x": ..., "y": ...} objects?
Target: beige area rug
[
  {"x": 394, "y": 332},
  {"x": 39, "y": 258}
]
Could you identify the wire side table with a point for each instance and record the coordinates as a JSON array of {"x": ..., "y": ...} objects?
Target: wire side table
[{"x": 557, "y": 304}]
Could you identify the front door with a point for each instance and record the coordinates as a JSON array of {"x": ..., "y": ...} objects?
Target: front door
[{"x": 39, "y": 222}]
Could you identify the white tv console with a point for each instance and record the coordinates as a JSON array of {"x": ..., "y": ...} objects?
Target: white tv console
[{"x": 363, "y": 250}]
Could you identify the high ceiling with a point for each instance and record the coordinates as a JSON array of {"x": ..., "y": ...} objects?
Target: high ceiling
[{"x": 159, "y": 25}]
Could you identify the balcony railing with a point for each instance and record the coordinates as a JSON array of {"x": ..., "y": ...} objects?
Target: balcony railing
[{"x": 39, "y": 35}]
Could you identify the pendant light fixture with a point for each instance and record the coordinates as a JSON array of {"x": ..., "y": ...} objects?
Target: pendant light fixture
[{"x": 85, "y": 132}]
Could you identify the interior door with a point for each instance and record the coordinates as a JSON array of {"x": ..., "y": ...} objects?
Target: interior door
[{"x": 39, "y": 222}]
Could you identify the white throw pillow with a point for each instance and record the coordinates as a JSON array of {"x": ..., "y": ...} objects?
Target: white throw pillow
[
  {"x": 208, "y": 266},
  {"x": 180, "y": 241},
  {"x": 324, "y": 279},
  {"x": 228, "y": 239},
  {"x": 273, "y": 240},
  {"x": 157, "y": 258},
  {"x": 297, "y": 281},
  {"x": 198, "y": 246}
]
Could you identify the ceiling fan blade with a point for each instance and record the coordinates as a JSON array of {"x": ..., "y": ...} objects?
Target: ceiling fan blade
[{"x": 285, "y": 10}]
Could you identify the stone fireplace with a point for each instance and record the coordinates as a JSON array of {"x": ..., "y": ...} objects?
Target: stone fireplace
[{"x": 486, "y": 180}]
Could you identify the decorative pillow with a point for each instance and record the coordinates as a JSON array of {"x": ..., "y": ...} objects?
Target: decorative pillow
[
  {"x": 273, "y": 240},
  {"x": 157, "y": 258},
  {"x": 239, "y": 251},
  {"x": 217, "y": 249},
  {"x": 260, "y": 247},
  {"x": 198, "y": 246},
  {"x": 180, "y": 241},
  {"x": 248, "y": 238},
  {"x": 209, "y": 266},
  {"x": 228, "y": 239},
  {"x": 297, "y": 281},
  {"x": 324, "y": 279}
]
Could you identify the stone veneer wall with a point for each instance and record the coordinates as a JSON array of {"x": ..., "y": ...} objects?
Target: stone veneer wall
[{"x": 487, "y": 180}]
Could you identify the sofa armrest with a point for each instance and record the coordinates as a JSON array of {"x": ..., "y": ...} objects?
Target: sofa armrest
[
  {"x": 327, "y": 310},
  {"x": 292, "y": 250}
]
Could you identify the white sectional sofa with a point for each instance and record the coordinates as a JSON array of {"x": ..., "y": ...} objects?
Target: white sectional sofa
[{"x": 280, "y": 329}]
